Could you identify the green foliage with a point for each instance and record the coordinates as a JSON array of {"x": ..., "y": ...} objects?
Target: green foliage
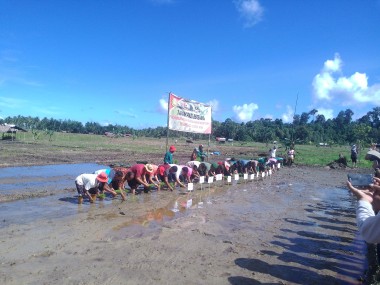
[{"x": 307, "y": 127}]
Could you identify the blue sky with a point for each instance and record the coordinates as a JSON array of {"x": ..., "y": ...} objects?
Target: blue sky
[{"x": 114, "y": 62}]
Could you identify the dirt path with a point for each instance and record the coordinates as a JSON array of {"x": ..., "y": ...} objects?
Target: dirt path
[{"x": 296, "y": 227}]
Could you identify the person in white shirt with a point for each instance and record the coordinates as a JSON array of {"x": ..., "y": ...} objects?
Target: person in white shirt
[
  {"x": 367, "y": 212},
  {"x": 87, "y": 184},
  {"x": 272, "y": 152}
]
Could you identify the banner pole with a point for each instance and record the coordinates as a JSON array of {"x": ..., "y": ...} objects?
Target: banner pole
[
  {"x": 209, "y": 138},
  {"x": 167, "y": 125}
]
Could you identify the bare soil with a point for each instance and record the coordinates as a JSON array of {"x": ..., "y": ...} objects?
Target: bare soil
[{"x": 295, "y": 227}]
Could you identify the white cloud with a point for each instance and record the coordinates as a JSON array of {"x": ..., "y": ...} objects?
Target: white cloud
[
  {"x": 163, "y": 105},
  {"x": 288, "y": 116},
  {"x": 327, "y": 113},
  {"x": 330, "y": 85},
  {"x": 214, "y": 104},
  {"x": 245, "y": 113},
  {"x": 250, "y": 11}
]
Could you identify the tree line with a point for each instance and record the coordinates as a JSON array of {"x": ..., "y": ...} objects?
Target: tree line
[{"x": 308, "y": 127}]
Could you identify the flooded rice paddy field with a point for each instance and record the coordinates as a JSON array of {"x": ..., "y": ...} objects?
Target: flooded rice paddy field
[{"x": 295, "y": 227}]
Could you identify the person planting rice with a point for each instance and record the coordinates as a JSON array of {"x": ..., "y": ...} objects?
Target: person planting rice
[
  {"x": 119, "y": 179},
  {"x": 193, "y": 163},
  {"x": 204, "y": 169},
  {"x": 223, "y": 168},
  {"x": 108, "y": 185},
  {"x": 152, "y": 178},
  {"x": 167, "y": 174},
  {"x": 184, "y": 173},
  {"x": 136, "y": 176},
  {"x": 88, "y": 184}
]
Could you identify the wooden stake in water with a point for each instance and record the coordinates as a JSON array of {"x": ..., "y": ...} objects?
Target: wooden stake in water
[
  {"x": 236, "y": 177},
  {"x": 201, "y": 181},
  {"x": 219, "y": 177},
  {"x": 210, "y": 181},
  {"x": 245, "y": 177}
]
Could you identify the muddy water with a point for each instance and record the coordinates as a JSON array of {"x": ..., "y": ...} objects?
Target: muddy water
[
  {"x": 58, "y": 177},
  {"x": 302, "y": 234}
]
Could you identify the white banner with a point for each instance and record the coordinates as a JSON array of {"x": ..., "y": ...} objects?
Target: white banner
[{"x": 189, "y": 116}]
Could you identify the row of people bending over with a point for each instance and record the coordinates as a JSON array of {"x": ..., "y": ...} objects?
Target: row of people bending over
[{"x": 113, "y": 180}]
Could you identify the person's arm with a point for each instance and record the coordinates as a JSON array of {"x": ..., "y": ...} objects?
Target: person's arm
[
  {"x": 108, "y": 189},
  {"x": 368, "y": 223},
  {"x": 167, "y": 183},
  {"x": 141, "y": 181},
  {"x": 151, "y": 181},
  {"x": 179, "y": 182},
  {"x": 88, "y": 195}
]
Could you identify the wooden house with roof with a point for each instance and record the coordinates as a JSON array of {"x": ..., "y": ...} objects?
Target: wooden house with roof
[{"x": 8, "y": 131}]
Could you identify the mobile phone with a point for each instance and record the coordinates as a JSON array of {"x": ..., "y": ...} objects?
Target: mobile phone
[{"x": 360, "y": 180}]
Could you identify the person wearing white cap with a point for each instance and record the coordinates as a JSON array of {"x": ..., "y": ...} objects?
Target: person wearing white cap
[{"x": 87, "y": 184}]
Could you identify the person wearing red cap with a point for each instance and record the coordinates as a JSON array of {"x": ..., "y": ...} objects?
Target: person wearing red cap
[
  {"x": 168, "y": 173},
  {"x": 168, "y": 158},
  {"x": 87, "y": 184},
  {"x": 108, "y": 187}
]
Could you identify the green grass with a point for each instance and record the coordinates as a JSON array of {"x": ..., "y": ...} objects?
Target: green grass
[{"x": 305, "y": 154}]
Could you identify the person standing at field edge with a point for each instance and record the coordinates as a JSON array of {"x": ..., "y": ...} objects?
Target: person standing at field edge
[
  {"x": 168, "y": 158},
  {"x": 354, "y": 155}
]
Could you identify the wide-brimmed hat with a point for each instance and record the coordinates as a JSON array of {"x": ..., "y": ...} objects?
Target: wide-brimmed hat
[
  {"x": 149, "y": 168},
  {"x": 172, "y": 148},
  {"x": 102, "y": 177}
]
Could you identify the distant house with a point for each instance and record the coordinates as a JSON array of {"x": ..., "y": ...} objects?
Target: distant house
[
  {"x": 10, "y": 130},
  {"x": 109, "y": 134}
]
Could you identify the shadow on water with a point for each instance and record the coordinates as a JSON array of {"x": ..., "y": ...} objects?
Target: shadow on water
[{"x": 303, "y": 253}]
